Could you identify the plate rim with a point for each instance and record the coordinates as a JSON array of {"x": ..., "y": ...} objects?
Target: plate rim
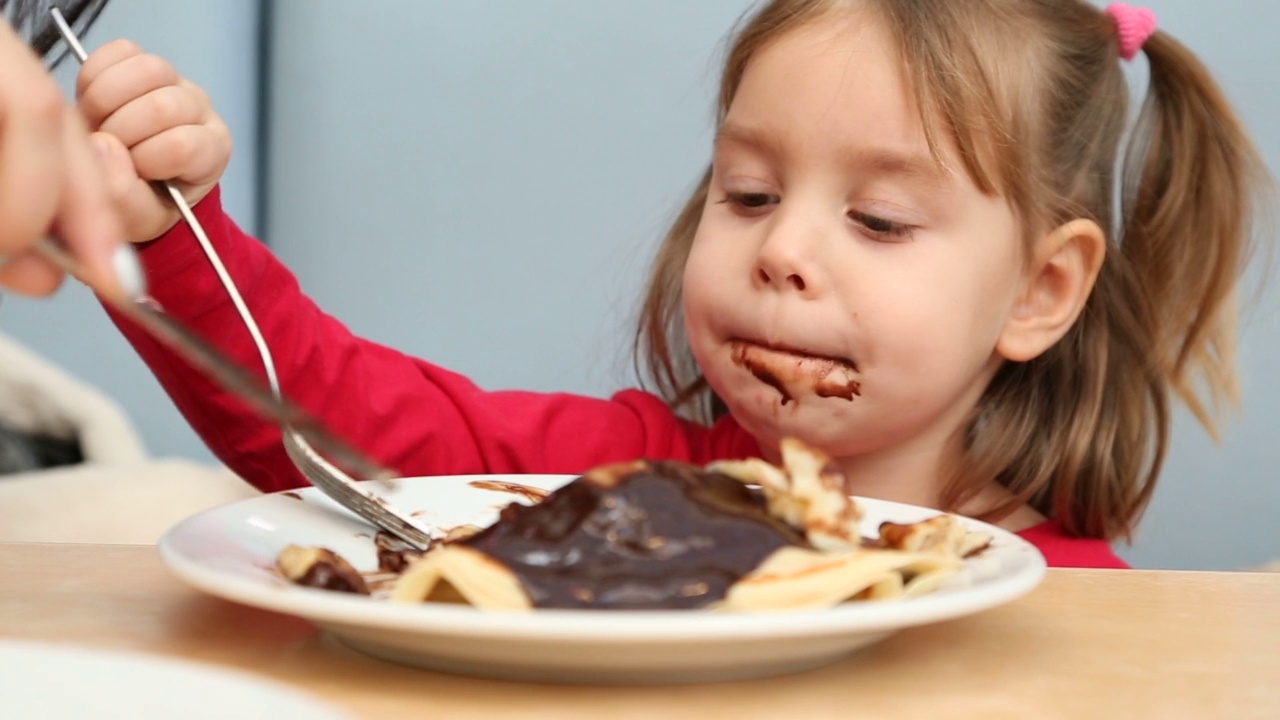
[{"x": 588, "y": 626}]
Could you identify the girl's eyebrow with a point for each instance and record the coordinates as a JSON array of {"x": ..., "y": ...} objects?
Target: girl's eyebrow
[
  {"x": 751, "y": 137},
  {"x": 910, "y": 166}
]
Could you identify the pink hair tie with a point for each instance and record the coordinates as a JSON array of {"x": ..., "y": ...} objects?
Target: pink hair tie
[{"x": 1133, "y": 26}]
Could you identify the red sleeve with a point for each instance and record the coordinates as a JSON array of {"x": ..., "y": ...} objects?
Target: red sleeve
[
  {"x": 412, "y": 416},
  {"x": 1062, "y": 550}
]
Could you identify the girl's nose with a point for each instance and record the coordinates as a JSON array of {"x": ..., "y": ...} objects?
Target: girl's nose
[
  {"x": 785, "y": 260},
  {"x": 794, "y": 280}
]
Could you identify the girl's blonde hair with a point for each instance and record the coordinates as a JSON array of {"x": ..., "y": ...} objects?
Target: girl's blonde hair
[{"x": 1032, "y": 95}]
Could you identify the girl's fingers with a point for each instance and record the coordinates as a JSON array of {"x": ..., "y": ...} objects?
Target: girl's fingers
[
  {"x": 190, "y": 154},
  {"x": 90, "y": 80},
  {"x": 145, "y": 213},
  {"x": 152, "y": 114}
]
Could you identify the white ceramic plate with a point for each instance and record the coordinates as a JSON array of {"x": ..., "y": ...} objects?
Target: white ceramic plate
[
  {"x": 39, "y": 681},
  {"x": 230, "y": 552}
]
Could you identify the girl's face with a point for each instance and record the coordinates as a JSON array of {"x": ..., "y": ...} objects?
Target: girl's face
[{"x": 842, "y": 287}]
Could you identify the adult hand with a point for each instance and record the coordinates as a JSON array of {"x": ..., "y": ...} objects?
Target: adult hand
[{"x": 50, "y": 182}]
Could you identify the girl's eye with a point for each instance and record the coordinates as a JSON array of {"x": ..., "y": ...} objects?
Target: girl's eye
[
  {"x": 879, "y": 228},
  {"x": 750, "y": 200}
]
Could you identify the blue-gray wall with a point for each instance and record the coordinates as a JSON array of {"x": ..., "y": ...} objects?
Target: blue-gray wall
[{"x": 482, "y": 184}]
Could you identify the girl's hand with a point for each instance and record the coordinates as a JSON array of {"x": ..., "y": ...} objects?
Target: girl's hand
[
  {"x": 49, "y": 181},
  {"x": 151, "y": 124}
]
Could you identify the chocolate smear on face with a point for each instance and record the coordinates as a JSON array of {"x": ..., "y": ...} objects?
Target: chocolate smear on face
[
  {"x": 792, "y": 373},
  {"x": 758, "y": 369},
  {"x": 829, "y": 388}
]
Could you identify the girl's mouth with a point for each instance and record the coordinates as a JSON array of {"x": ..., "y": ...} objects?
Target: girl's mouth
[{"x": 796, "y": 373}]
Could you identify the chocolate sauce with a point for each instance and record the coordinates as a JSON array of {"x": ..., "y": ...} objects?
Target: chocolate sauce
[
  {"x": 783, "y": 371},
  {"x": 846, "y": 390},
  {"x": 394, "y": 554},
  {"x": 329, "y": 576},
  {"x": 760, "y": 371},
  {"x": 320, "y": 568},
  {"x": 530, "y": 493},
  {"x": 642, "y": 535},
  {"x": 768, "y": 378}
]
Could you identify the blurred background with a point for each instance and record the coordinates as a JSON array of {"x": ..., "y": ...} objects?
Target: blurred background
[{"x": 482, "y": 184}]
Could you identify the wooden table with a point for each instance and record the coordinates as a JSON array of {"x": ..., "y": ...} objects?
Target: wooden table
[{"x": 1086, "y": 644}]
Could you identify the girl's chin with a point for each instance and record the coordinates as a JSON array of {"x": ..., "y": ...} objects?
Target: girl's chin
[{"x": 769, "y": 421}]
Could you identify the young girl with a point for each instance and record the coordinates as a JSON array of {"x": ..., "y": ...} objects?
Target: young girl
[{"x": 905, "y": 252}]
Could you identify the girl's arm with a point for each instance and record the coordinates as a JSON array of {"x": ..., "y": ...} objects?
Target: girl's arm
[{"x": 414, "y": 417}]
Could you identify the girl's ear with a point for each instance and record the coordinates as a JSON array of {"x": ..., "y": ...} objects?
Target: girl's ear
[{"x": 1060, "y": 276}]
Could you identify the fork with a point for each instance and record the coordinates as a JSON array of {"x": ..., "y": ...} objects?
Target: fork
[
  {"x": 349, "y": 494},
  {"x": 295, "y": 425}
]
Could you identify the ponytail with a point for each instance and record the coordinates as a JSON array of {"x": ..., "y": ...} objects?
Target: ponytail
[
  {"x": 1189, "y": 197},
  {"x": 1161, "y": 319}
]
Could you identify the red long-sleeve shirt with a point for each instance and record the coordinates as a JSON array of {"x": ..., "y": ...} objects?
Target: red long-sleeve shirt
[{"x": 415, "y": 417}]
